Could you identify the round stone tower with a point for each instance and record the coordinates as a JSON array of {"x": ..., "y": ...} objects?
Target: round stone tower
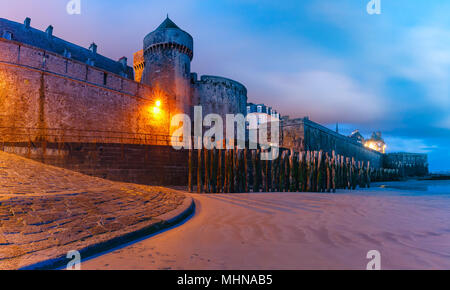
[{"x": 168, "y": 52}]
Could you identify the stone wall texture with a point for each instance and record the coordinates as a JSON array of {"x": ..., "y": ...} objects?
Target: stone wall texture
[
  {"x": 410, "y": 164},
  {"x": 218, "y": 95},
  {"x": 143, "y": 164},
  {"x": 303, "y": 134},
  {"x": 46, "y": 96},
  {"x": 138, "y": 65}
]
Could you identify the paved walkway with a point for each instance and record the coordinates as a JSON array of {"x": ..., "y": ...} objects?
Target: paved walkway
[{"x": 47, "y": 211}]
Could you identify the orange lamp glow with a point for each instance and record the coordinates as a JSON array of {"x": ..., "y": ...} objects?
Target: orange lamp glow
[{"x": 157, "y": 108}]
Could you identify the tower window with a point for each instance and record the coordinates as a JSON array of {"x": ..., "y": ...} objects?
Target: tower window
[
  {"x": 105, "y": 78},
  {"x": 7, "y": 35}
]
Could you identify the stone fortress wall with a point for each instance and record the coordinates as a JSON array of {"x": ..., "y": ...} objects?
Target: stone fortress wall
[
  {"x": 60, "y": 96},
  {"x": 68, "y": 106},
  {"x": 64, "y": 112},
  {"x": 219, "y": 95},
  {"x": 410, "y": 164},
  {"x": 303, "y": 134}
]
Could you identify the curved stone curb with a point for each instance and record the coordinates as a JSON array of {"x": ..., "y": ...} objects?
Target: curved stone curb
[{"x": 166, "y": 220}]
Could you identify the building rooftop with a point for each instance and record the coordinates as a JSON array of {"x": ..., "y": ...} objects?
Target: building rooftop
[
  {"x": 24, "y": 33},
  {"x": 167, "y": 24}
]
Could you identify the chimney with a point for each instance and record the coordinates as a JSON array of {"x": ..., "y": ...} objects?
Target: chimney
[
  {"x": 93, "y": 48},
  {"x": 124, "y": 61},
  {"x": 27, "y": 22},
  {"x": 49, "y": 31}
]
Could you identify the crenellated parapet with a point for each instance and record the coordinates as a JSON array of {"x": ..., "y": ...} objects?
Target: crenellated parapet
[{"x": 169, "y": 45}]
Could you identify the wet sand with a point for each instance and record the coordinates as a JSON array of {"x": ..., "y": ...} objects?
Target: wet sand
[{"x": 409, "y": 227}]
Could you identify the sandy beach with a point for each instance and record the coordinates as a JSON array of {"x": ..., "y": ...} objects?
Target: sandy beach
[{"x": 407, "y": 222}]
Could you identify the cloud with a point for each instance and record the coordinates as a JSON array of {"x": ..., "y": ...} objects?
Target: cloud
[
  {"x": 325, "y": 96},
  {"x": 396, "y": 144}
]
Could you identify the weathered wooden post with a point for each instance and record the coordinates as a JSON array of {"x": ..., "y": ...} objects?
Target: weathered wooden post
[
  {"x": 354, "y": 173},
  {"x": 334, "y": 164},
  {"x": 319, "y": 176},
  {"x": 328, "y": 172},
  {"x": 286, "y": 172},
  {"x": 266, "y": 175},
  {"x": 232, "y": 170},
  {"x": 245, "y": 170},
  {"x": 226, "y": 170},
  {"x": 346, "y": 174},
  {"x": 300, "y": 172},
  {"x": 308, "y": 170},
  {"x": 241, "y": 171},
  {"x": 282, "y": 172},
  {"x": 219, "y": 171},
  {"x": 362, "y": 177},
  {"x": 235, "y": 170},
  {"x": 292, "y": 171},
  {"x": 213, "y": 175},
  {"x": 190, "y": 170},
  {"x": 273, "y": 171},
  {"x": 199, "y": 171},
  {"x": 207, "y": 170},
  {"x": 253, "y": 159},
  {"x": 263, "y": 173},
  {"x": 258, "y": 170}
]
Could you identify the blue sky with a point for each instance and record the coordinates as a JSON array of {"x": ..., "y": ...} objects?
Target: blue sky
[{"x": 326, "y": 59}]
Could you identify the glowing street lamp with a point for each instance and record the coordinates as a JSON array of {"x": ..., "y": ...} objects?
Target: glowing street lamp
[{"x": 157, "y": 107}]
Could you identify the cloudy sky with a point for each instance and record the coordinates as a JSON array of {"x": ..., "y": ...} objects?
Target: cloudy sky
[{"x": 326, "y": 59}]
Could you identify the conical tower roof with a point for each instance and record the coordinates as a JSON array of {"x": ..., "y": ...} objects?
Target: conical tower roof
[
  {"x": 169, "y": 33},
  {"x": 167, "y": 23}
]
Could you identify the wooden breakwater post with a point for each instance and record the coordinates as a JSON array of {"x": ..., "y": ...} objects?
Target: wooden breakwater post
[
  {"x": 328, "y": 172},
  {"x": 246, "y": 177},
  {"x": 207, "y": 170},
  {"x": 292, "y": 171},
  {"x": 190, "y": 169},
  {"x": 213, "y": 174},
  {"x": 199, "y": 171},
  {"x": 242, "y": 170},
  {"x": 219, "y": 171}
]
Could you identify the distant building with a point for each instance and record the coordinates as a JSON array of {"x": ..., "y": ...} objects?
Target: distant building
[
  {"x": 263, "y": 113},
  {"x": 356, "y": 135},
  {"x": 376, "y": 142}
]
